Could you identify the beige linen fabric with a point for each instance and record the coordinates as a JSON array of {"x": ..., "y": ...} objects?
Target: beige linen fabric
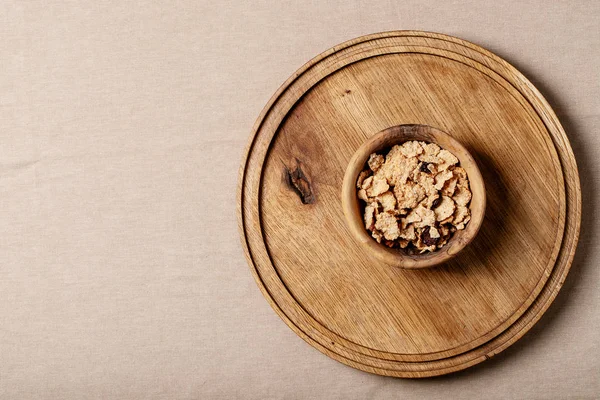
[{"x": 122, "y": 125}]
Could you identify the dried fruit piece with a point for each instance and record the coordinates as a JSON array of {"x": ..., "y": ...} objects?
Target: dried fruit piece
[
  {"x": 422, "y": 240},
  {"x": 427, "y": 238},
  {"x": 425, "y": 167},
  {"x": 436, "y": 202}
]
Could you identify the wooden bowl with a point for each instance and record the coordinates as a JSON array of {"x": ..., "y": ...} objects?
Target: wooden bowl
[{"x": 353, "y": 212}]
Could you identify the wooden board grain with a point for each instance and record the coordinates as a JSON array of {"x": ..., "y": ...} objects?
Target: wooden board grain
[{"x": 331, "y": 291}]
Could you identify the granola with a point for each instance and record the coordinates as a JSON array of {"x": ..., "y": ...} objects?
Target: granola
[{"x": 416, "y": 196}]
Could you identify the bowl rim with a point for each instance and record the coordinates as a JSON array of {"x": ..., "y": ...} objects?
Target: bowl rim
[{"x": 351, "y": 206}]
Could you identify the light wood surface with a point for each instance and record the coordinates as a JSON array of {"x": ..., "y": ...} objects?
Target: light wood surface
[
  {"x": 354, "y": 212},
  {"x": 333, "y": 293}
]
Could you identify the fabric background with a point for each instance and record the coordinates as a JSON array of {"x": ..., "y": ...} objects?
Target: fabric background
[{"x": 122, "y": 125}]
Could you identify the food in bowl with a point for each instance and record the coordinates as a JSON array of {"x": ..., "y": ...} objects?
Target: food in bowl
[{"x": 415, "y": 197}]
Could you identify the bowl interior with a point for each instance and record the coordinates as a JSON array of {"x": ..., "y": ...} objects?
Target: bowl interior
[{"x": 353, "y": 209}]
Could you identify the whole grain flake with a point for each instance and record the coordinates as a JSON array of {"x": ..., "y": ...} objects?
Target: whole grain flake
[{"x": 416, "y": 196}]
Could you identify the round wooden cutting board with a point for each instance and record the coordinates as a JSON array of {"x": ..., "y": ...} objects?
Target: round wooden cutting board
[{"x": 337, "y": 296}]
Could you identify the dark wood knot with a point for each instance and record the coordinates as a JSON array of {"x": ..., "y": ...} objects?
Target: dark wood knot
[{"x": 300, "y": 182}]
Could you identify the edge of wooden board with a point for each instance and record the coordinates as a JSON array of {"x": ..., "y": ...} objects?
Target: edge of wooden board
[{"x": 550, "y": 290}]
